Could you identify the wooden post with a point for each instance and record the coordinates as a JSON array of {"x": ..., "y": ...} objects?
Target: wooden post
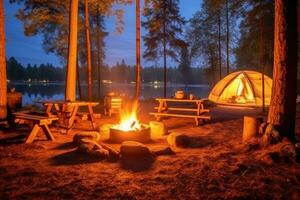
[
  {"x": 138, "y": 51},
  {"x": 88, "y": 49},
  {"x": 3, "y": 90},
  {"x": 72, "y": 53},
  {"x": 251, "y": 125}
]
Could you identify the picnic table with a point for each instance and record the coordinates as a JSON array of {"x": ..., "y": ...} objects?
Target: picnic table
[
  {"x": 67, "y": 111},
  {"x": 185, "y": 108},
  {"x": 39, "y": 123}
]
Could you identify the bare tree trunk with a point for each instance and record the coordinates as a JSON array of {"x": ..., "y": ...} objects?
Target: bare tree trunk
[
  {"x": 88, "y": 49},
  {"x": 138, "y": 50},
  {"x": 165, "y": 53},
  {"x": 78, "y": 78},
  {"x": 227, "y": 37},
  {"x": 219, "y": 44},
  {"x": 3, "y": 89},
  {"x": 283, "y": 103},
  {"x": 261, "y": 59},
  {"x": 72, "y": 52},
  {"x": 98, "y": 51}
]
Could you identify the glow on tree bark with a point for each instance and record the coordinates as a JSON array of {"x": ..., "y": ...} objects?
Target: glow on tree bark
[
  {"x": 138, "y": 50},
  {"x": 3, "y": 90},
  {"x": 70, "y": 94},
  {"x": 282, "y": 109},
  {"x": 88, "y": 48}
]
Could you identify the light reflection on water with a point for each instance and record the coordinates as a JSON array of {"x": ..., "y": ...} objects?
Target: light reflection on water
[{"x": 33, "y": 92}]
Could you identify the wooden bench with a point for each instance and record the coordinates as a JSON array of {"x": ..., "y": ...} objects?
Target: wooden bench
[
  {"x": 196, "y": 113},
  {"x": 39, "y": 123}
]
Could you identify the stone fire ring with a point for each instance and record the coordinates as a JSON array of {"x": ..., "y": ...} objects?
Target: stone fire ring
[{"x": 118, "y": 136}]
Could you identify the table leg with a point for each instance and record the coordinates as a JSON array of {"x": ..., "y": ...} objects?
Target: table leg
[
  {"x": 57, "y": 109},
  {"x": 48, "y": 132},
  {"x": 72, "y": 117},
  {"x": 159, "y": 110},
  {"x": 32, "y": 134},
  {"x": 198, "y": 108},
  {"x": 197, "y": 121},
  {"x": 48, "y": 109},
  {"x": 91, "y": 113}
]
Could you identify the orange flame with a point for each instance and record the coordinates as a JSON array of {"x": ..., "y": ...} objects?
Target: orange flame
[{"x": 128, "y": 118}]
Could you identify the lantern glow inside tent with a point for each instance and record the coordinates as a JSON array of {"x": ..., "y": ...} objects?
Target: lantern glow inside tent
[{"x": 243, "y": 88}]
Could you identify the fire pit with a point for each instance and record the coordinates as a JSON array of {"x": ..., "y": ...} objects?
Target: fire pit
[
  {"x": 129, "y": 128},
  {"x": 141, "y": 135}
]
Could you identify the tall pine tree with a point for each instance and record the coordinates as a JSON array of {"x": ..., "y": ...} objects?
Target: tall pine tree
[
  {"x": 3, "y": 99},
  {"x": 282, "y": 111},
  {"x": 164, "y": 27},
  {"x": 185, "y": 66}
]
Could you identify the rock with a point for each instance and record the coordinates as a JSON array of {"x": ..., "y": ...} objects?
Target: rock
[
  {"x": 104, "y": 131},
  {"x": 90, "y": 135},
  {"x": 135, "y": 156},
  {"x": 271, "y": 135},
  {"x": 178, "y": 140},
  {"x": 187, "y": 140},
  {"x": 158, "y": 129},
  {"x": 164, "y": 151},
  {"x": 132, "y": 148}
]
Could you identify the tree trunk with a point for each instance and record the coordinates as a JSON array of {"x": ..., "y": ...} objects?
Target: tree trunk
[
  {"x": 227, "y": 37},
  {"x": 219, "y": 44},
  {"x": 78, "y": 78},
  {"x": 98, "y": 51},
  {"x": 138, "y": 50},
  {"x": 282, "y": 110},
  {"x": 72, "y": 53},
  {"x": 88, "y": 49},
  {"x": 165, "y": 53},
  {"x": 3, "y": 89},
  {"x": 262, "y": 64}
]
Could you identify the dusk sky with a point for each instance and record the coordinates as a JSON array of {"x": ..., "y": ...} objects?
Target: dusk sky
[{"x": 118, "y": 46}]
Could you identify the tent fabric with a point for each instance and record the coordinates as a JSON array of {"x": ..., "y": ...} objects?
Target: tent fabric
[{"x": 242, "y": 88}]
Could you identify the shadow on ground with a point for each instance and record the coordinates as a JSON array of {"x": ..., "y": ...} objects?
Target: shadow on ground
[
  {"x": 11, "y": 140},
  {"x": 73, "y": 158}
]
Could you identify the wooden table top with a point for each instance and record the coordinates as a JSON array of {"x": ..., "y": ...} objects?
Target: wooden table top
[
  {"x": 179, "y": 100},
  {"x": 78, "y": 103}
]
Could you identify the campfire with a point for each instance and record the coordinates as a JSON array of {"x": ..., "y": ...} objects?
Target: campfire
[{"x": 129, "y": 127}]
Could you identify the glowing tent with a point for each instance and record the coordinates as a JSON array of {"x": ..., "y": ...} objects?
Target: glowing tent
[{"x": 242, "y": 88}]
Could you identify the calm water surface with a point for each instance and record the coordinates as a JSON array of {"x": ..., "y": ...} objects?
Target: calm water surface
[{"x": 33, "y": 92}]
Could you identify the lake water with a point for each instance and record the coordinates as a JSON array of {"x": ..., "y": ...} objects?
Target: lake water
[{"x": 40, "y": 91}]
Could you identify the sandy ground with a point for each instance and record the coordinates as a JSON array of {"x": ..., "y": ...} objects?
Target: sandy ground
[{"x": 222, "y": 168}]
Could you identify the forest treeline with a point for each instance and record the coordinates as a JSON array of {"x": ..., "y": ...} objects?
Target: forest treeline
[
  {"x": 118, "y": 73},
  {"x": 220, "y": 37}
]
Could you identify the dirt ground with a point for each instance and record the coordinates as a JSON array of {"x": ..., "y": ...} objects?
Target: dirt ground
[{"x": 222, "y": 168}]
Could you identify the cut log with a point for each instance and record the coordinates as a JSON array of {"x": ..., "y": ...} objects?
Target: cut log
[
  {"x": 91, "y": 135},
  {"x": 158, "y": 129},
  {"x": 105, "y": 131},
  {"x": 251, "y": 125}
]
